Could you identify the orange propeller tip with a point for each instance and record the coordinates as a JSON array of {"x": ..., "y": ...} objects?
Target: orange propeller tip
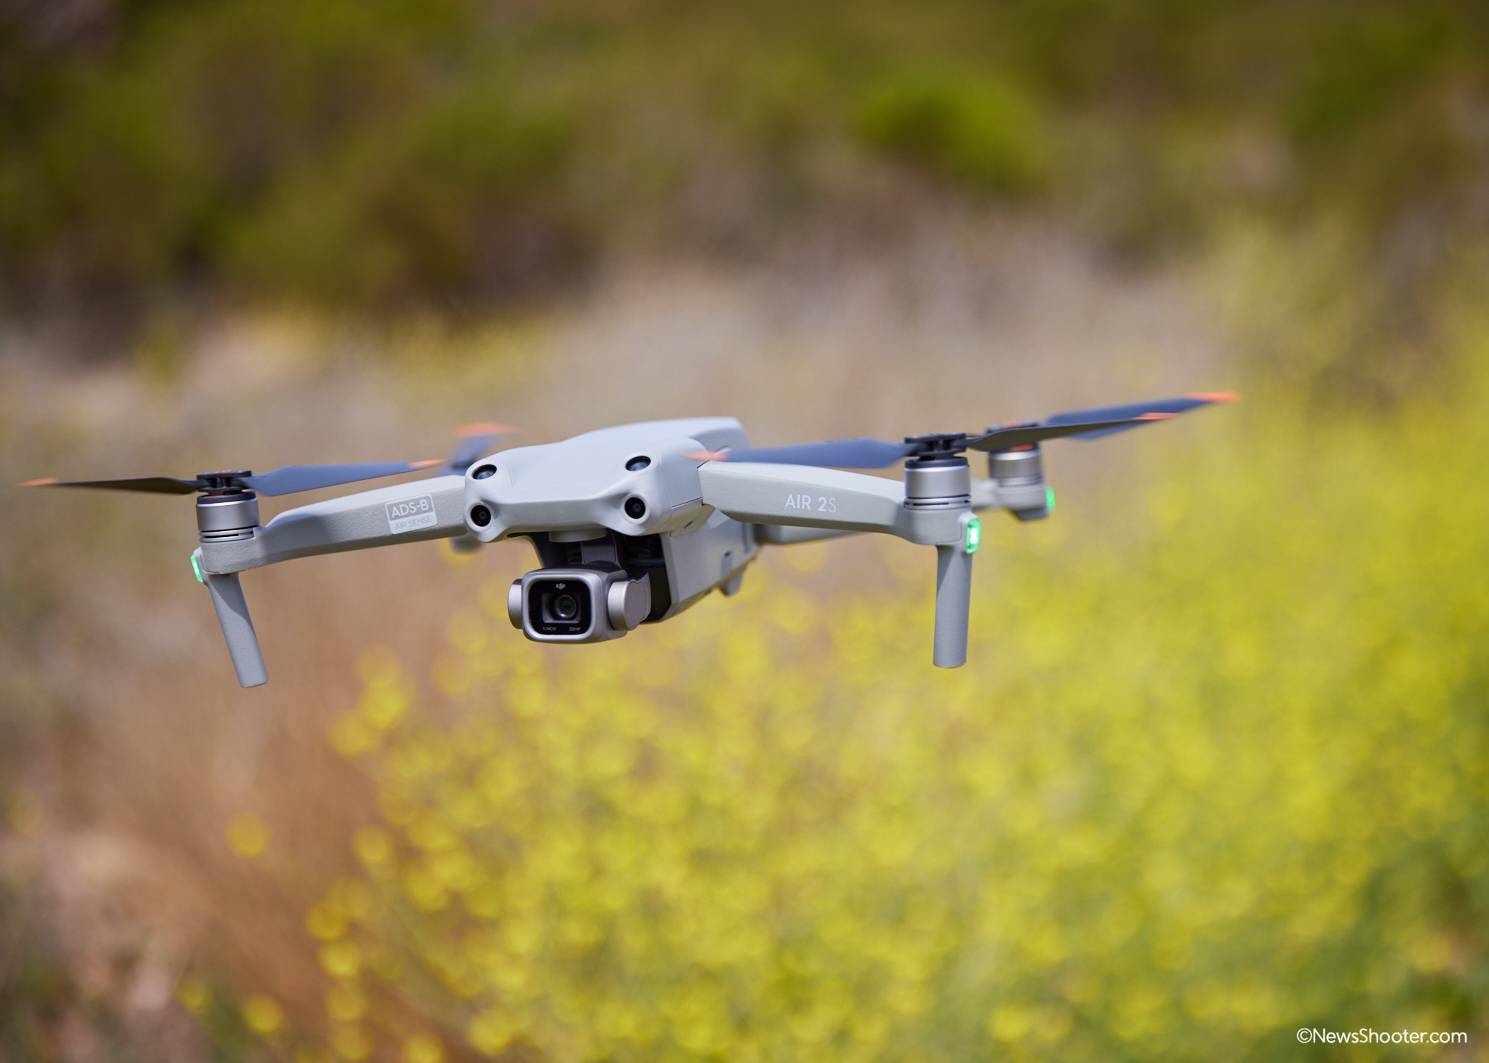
[
  {"x": 39, "y": 483},
  {"x": 1155, "y": 416},
  {"x": 484, "y": 428},
  {"x": 708, "y": 455},
  {"x": 1216, "y": 396},
  {"x": 427, "y": 464}
]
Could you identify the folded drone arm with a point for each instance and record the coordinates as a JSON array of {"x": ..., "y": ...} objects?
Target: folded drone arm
[{"x": 405, "y": 513}]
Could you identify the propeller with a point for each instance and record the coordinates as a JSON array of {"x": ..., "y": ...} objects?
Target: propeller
[
  {"x": 283, "y": 481},
  {"x": 879, "y": 454},
  {"x": 475, "y": 441}
]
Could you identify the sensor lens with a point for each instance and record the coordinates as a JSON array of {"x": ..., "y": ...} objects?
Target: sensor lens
[
  {"x": 635, "y": 508},
  {"x": 480, "y": 516},
  {"x": 482, "y": 472},
  {"x": 559, "y": 607},
  {"x": 638, "y": 463}
]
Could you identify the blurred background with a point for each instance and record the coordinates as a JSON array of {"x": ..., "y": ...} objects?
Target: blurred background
[{"x": 1218, "y": 767}]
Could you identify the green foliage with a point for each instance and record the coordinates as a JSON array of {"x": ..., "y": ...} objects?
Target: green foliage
[
  {"x": 379, "y": 151},
  {"x": 458, "y": 199},
  {"x": 1189, "y": 794},
  {"x": 978, "y": 131},
  {"x": 1357, "y": 75},
  {"x": 339, "y": 150}
]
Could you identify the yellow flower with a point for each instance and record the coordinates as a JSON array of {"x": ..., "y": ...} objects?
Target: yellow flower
[
  {"x": 193, "y": 994},
  {"x": 373, "y": 846},
  {"x": 423, "y": 1048},
  {"x": 262, "y": 1015},
  {"x": 351, "y": 1043},
  {"x": 490, "y": 1032},
  {"x": 341, "y": 959},
  {"x": 325, "y": 922},
  {"x": 1011, "y": 1022},
  {"x": 345, "y": 1003},
  {"x": 247, "y": 835}
]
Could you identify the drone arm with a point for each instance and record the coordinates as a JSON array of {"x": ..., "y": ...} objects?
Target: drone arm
[
  {"x": 405, "y": 513},
  {"x": 1018, "y": 497},
  {"x": 985, "y": 495},
  {"x": 800, "y": 496},
  {"x": 787, "y": 535},
  {"x": 428, "y": 509},
  {"x": 802, "y": 501}
]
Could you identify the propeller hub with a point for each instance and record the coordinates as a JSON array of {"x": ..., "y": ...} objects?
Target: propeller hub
[
  {"x": 937, "y": 447},
  {"x": 221, "y": 483}
]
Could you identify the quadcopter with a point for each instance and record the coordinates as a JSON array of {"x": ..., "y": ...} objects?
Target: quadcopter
[{"x": 636, "y": 523}]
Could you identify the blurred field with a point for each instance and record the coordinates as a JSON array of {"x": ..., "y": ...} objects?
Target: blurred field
[
  {"x": 1216, "y": 769},
  {"x": 1190, "y": 795},
  {"x": 132, "y": 750}
]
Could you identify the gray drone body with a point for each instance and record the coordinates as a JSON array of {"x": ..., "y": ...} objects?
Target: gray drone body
[{"x": 636, "y": 523}]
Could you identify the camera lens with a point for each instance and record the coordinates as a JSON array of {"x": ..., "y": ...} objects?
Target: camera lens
[
  {"x": 635, "y": 508},
  {"x": 559, "y": 607},
  {"x": 639, "y": 462},
  {"x": 483, "y": 472},
  {"x": 480, "y": 516}
]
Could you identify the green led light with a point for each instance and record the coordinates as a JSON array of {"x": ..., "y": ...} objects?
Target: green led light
[
  {"x": 974, "y": 535},
  {"x": 1049, "y": 498},
  {"x": 196, "y": 566}
]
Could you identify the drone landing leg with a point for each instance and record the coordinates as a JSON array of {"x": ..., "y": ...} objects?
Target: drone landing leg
[
  {"x": 953, "y": 605},
  {"x": 237, "y": 628}
]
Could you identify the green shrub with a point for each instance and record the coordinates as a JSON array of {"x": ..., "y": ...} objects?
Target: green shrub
[
  {"x": 1363, "y": 70},
  {"x": 463, "y": 198},
  {"x": 268, "y": 148},
  {"x": 112, "y": 197},
  {"x": 978, "y": 131}
]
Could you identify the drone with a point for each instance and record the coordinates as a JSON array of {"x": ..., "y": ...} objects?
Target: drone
[{"x": 636, "y": 523}]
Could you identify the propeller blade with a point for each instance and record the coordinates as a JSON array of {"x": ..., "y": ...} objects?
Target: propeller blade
[
  {"x": 839, "y": 454},
  {"x": 291, "y": 478},
  {"x": 1095, "y": 423},
  {"x": 1137, "y": 413},
  {"x": 159, "y": 485},
  {"x": 475, "y": 440}
]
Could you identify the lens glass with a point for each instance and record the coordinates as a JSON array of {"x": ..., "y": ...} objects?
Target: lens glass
[{"x": 559, "y": 606}]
